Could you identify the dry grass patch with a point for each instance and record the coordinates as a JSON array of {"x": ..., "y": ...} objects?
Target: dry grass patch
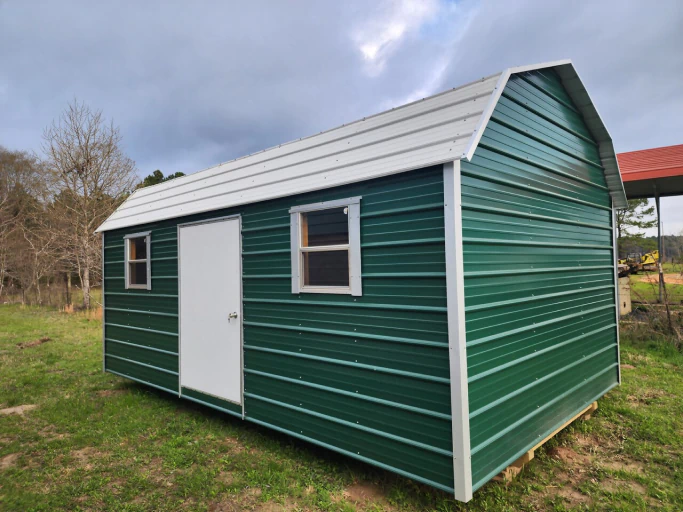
[
  {"x": 9, "y": 461},
  {"x": 19, "y": 409}
]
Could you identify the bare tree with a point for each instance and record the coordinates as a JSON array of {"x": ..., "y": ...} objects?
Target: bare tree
[
  {"x": 21, "y": 181},
  {"x": 90, "y": 176}
]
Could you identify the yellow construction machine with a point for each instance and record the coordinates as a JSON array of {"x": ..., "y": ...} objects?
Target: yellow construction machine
[
  {"x": 649, "y": 261},
  {"x": 638, "y": 262}
]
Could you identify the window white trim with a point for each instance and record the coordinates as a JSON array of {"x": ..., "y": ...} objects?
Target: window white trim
[
  {"x": 148, "y": 260},
  {"x": 355, "y": 282}
]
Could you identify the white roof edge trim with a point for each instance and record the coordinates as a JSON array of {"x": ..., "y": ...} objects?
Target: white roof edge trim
[
  {"x": 423, "y": 133},
  {"x": 575, "y": 88},
  {"x": 444, "y": 127},
  {"x": 99, "y": 229},
  {"x": 500, "y": 86},
  {"x": 197, "y": 174}
]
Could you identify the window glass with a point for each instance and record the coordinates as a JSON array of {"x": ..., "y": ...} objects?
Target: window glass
[
  {"x": 137, "y": 273},
  {"x": 137, "y": 261},
  {"x": 325, "y": 227},
  {"x": 138, "y": 248},
  {"x": 326, "y": 268}
]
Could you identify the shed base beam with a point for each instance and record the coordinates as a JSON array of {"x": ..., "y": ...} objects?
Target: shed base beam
[{"x": 509, "y": 473}]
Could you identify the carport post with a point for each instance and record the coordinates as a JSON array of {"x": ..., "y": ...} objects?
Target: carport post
[{"x": 659, "y": 248}]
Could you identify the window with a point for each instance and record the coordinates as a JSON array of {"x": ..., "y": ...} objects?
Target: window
[
  {"x": 326, "y": 247},
  {"x": 137, "y": 256}
]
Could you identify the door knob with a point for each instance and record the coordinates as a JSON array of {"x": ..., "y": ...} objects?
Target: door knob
[{"x": 232, "y": 315}]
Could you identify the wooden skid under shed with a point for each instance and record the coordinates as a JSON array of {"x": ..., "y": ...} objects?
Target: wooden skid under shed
[{"x": 514, "y": 469}]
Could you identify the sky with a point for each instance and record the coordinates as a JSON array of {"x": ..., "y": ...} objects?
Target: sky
[{"x": 193, "y": 84}]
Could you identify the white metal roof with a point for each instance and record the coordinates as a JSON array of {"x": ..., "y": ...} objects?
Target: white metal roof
[{"x": 434, "y": 130}]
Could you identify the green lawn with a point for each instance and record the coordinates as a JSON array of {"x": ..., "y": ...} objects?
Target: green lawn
[
  {"x": 98, "y": 442},
  {"x": 645, "y": 288}
]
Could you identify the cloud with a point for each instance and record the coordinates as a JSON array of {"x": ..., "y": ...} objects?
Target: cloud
[
  {"x": 194, "y": 84},
  {"x": 390, "y": 24}
]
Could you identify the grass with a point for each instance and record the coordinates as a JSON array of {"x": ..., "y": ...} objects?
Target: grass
[
  {"x": 98, "y": 442},
  {"x": 645, "y": 285}
]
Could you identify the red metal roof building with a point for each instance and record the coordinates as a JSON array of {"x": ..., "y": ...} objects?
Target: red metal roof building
[
  {"x": 654, "y": 173},
  {"x": 650, "y": 171}
]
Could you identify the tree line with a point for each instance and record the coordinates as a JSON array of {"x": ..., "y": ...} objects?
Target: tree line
[
  {"x": 53, "y": 200},
  {"x": 631, "y": 224}
]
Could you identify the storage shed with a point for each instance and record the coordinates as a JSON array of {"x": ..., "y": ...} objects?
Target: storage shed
[{"x": 431, "y": 290}]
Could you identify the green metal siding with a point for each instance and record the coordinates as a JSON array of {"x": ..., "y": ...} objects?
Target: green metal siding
[
  {"x": 366, "y": 376},
  {"x": 539, "y": 275}
]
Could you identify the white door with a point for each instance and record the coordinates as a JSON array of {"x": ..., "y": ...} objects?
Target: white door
[{"x": 211, "y": 308}]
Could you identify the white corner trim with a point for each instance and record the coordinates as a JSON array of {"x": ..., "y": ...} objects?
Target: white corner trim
[
  {"x": 455, "y": 294},
  {"x": 104, "y": 315},
  {"x": 616, "y": 287}
]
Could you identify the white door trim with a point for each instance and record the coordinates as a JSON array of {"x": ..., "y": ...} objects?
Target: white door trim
[{"x": 237, "y": 217}]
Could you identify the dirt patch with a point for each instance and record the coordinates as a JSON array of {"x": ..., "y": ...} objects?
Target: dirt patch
[
  {"x": 227, "y": 505},
  {"x": 629, "y": 466},
  {"x": 233, "y": 444},
  {"x": 226, "y": 477},
  {"x": 154, "y": 471},
  {"x": 586, "y": 442},
  {"x": 363, "y": 493},
  {"x": 627, "y": 367},
  {"x": 567, "y": 455},
  {"x": 614, "y": 486},
  {"x": 9, "y": 461},
  {"x": 111, "y": 392},
  {"x": 573, "y": 497},
  {"x": 29, "y": 344},
  {"x": 646, "y": 397},
  {"x": 85, "y": 456},
  {"x": 668, "y": 278},
  {"x": 50, "y": 433},
  {"x": 272, "y": 506},
  {"x": 19, "y": 409},
  {"x": 246, "y": 500}
]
